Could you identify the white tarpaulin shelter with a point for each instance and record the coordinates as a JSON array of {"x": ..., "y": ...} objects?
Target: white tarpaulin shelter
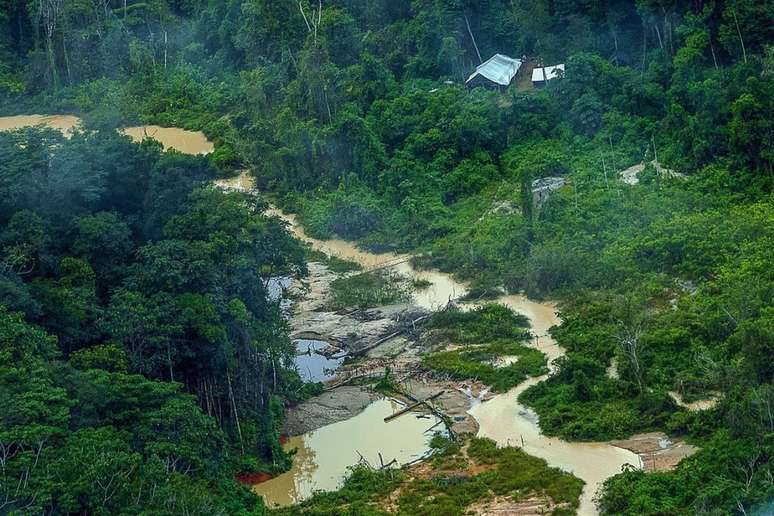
[
  {"x": 498, "y": 69},
  {"x": 551, "y": 72}
]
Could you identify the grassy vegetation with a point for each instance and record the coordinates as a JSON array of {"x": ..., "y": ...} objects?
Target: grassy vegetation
[
  {"x": 368, "y": 290},
  {"x": 487, "y": 333},
  {"x": 478, "y": 363},
  {"x": 421, "y": 283},
  {"x": 479, "y": 325},
  {"x": 459, "y": 477}
]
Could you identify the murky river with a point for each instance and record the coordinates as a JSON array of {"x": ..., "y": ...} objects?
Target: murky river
[
  {"x": 64, "y": 123},
  {"x": 182, "y": 140},
  {"x": 324, "y": 455},
  {"x": 508, "y": 422},
  {"x": 503, "y": 418},
  {"x": 443, "y": 287}
]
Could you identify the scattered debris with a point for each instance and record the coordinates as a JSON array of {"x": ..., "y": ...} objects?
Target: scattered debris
[{"x": 412, "y": 406}]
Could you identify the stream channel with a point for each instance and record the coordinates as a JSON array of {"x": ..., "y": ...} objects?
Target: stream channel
[
  {"x": 502, "y": 418},
  {"x": 324, "y": 455}
]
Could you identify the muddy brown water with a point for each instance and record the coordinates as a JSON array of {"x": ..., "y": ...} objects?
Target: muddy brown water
[
  {"x": 508, "y": 422},
  {"x": 182, "y": 140},
  {"x": 442, "y": 289},
  {"x": 324, "y": 456},
  {"x": 502, "y": 418},
  {"x": 64, "y": 123}
]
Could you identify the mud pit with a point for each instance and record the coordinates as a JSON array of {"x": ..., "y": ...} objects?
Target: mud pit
[
  {"x": 330, "y": 407},
  {"x": 323, "y": 456}
]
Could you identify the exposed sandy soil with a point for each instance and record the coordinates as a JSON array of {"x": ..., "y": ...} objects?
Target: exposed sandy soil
[
  {"x": 657, "y": 450},
  {"x": 630, "y": 176},
  {"x": 350, "y": 329},
  {"x": 504, "y": 505},
  {"x": 330, "y": 407},
  {"x": 694, "y": 405}
]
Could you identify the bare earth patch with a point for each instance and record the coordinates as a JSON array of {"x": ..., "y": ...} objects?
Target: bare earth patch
[
  {"x": 505, "y": 505},
  {"x": 657, "y": 451}
]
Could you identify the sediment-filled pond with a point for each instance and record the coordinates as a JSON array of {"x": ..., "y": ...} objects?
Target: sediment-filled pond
[
  {"x": 312, "y": 365},
  {"x": 64, "y": 123},
  {"x": 182, "y": 140},
  {"x": 323, "y": 456}
]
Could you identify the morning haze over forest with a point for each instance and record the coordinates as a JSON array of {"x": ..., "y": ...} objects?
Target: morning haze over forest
[{"x": 367, "y": 257}]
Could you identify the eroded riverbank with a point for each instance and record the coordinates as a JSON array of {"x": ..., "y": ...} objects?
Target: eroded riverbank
[{"x": 501, "y": 418}]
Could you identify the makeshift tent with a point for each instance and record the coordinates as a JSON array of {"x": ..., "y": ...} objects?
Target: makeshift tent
[
  {"x": 497, "y": 71},
  {"x": 541, "y": 75}
]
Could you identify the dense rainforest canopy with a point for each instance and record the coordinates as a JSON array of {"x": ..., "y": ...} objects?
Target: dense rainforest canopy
[{"x": 136, "y": 332}]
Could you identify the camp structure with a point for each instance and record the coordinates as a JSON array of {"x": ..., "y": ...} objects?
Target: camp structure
[
  {"x": 497, "y": 72},
  {"x": 541, "y": 75}
]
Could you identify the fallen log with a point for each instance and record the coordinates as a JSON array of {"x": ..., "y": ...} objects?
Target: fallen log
[
  {"x": 346, "y": 381},
  {"x": 384, "y": 339},
  {"x": 412, "y": 406},
  {"x": 444, "y": 418}
]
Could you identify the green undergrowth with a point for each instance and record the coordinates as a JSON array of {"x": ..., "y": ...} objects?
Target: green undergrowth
[
  {"x": 483, "y": 324},
  {"x": 459, "y": 477},
  {"x": 478, "y": 363},
  {"x": 421, "y": 283},
  {"x": 487, "y": 333},
  {"x": 368, "y": 290}
]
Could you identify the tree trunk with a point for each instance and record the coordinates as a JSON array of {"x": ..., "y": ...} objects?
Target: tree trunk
[
  {"x": 67, "y": 60},
  {"x": 658, "y": 35},
  {"x": 467, "y": 23},
  {"x": 741, "y": 40},
  {"x": 52, "y": 63},
  {"x": 236, "y": 413}
]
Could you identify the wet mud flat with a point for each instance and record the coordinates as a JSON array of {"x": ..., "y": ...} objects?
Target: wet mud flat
[
  {"x": 657, "y": 451},
  {"x": 367, "y": 341}
]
